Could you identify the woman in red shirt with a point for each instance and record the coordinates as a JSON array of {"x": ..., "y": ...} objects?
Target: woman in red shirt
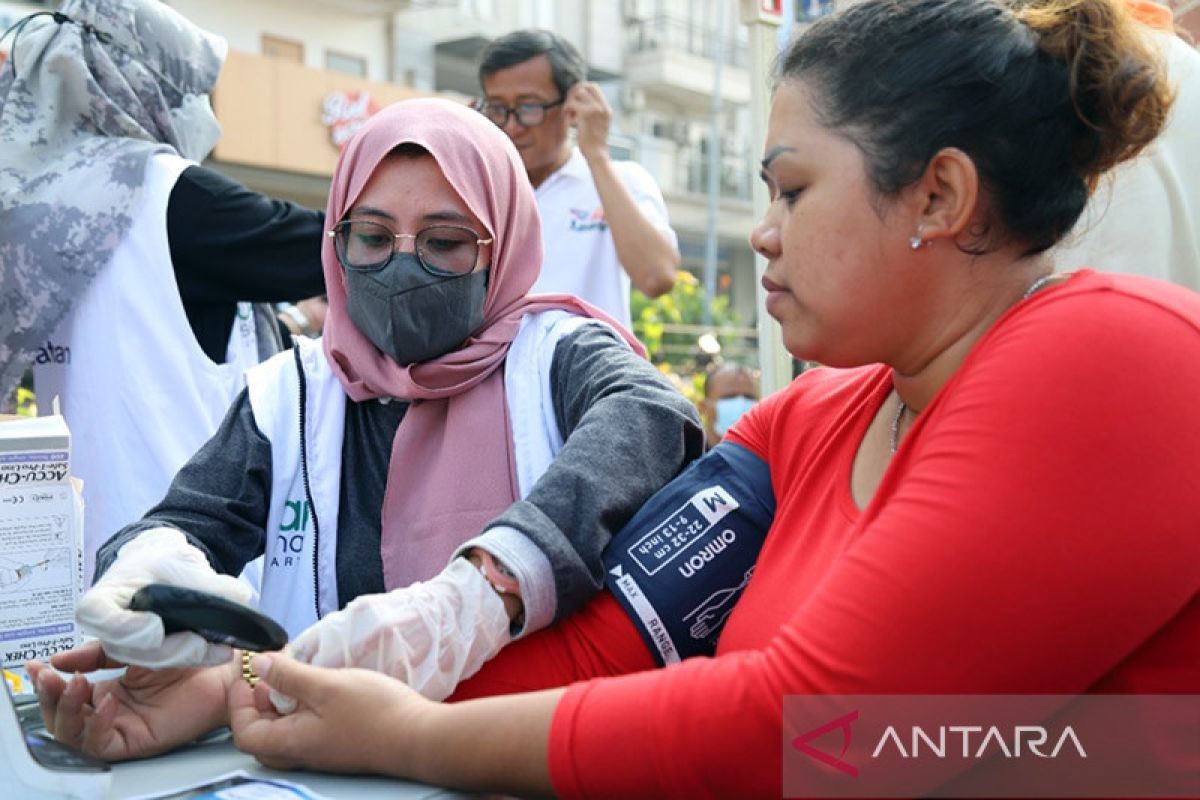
[{"x": 992, "y": 491}]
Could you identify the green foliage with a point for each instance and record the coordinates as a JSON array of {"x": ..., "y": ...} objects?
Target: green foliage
[
  {"x": 26, "y": 402},
  {"x": 669, "y": 326}
]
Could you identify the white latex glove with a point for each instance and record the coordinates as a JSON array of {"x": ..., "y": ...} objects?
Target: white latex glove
[
  {"x": 159, "y": 555},
  {"x": 431, "y": 635}
]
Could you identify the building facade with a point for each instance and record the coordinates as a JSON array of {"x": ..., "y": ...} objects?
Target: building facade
[{"x": 302, "y": 73}]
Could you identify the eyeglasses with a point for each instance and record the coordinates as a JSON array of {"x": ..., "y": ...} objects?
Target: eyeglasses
[
  {"x": 363, "y": 246},
  {"x": 528, "y": 114}
]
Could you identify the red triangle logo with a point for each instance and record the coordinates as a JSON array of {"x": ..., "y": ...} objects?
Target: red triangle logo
[{"x": 801, "y": 743}]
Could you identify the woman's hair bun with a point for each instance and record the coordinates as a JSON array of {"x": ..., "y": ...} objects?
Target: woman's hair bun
[{"x": 1118, "y": 83}]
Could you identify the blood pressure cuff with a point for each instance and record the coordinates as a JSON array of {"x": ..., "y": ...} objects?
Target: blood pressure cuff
[{"x": 680, "y": 565}]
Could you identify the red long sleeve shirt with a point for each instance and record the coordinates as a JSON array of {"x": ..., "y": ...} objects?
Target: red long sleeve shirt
[{"x": 1038, "y": 531}]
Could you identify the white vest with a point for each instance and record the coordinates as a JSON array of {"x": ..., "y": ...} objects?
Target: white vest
[
  {"x": 138, "y": 392},
  {"x": 306, "y": 473}
]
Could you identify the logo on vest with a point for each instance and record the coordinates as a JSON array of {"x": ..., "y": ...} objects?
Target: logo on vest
[
  {"x": 50, "y": 353},
  {"x": 583, "y": 220},
  {"x": 289, "y": 542}
]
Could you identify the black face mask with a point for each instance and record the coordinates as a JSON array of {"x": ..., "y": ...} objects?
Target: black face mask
[{"x": 411, "y": 315}]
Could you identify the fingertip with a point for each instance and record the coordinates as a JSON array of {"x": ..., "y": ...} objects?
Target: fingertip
[
  {"x": 75, "y": 685},
  {"x": 285, "y": 675},
  {"x": 261, "y": 664},
  {"x": 282, "y": 704}
]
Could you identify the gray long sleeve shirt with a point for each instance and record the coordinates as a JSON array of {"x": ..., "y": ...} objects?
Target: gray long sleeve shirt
[{"x": 626, "y": 433}]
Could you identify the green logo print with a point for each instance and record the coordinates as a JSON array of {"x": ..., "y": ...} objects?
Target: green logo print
[
  {"x": 287, "y": 550},
  {"x": 299, "y": 511}
]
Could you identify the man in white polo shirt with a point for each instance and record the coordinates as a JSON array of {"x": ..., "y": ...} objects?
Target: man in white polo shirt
[{"x": 604, "y": 222}]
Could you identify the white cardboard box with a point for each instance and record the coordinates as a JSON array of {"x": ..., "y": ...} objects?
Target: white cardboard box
[{"x": 41, "y": 540}]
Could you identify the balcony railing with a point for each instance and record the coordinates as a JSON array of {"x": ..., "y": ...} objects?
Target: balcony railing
[
  {"x": 734, "y": 181},
  {"x": 666, "y": 33}
]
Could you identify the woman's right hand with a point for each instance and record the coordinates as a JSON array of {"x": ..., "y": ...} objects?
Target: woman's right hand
[
  {"x": 345, "y": 720},
  {"x": 159, "y": 555},
  {"x": 141, "y": 713}
]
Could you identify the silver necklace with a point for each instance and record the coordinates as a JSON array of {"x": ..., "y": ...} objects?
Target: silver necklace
[
  {"x": 1039, "y": 283},
  {"x": 902, "y": 406},
  {"x": 896, "y": 425}
]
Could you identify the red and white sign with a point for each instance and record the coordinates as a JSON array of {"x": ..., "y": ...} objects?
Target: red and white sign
[{"x": 344, "y": 113}]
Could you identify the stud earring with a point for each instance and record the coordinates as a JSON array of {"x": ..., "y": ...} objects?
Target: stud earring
[{"x": 916, "y": 242}]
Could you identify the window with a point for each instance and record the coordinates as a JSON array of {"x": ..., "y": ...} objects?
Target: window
[
  {"x": 283, "y": 49},
  {"x": 343, "y": 62}
]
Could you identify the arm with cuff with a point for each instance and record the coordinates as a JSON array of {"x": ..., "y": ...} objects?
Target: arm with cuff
[{"x": 626, "y": 432}]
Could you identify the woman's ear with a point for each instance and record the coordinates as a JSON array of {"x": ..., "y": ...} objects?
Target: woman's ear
[{"x": 948, "y": 195}]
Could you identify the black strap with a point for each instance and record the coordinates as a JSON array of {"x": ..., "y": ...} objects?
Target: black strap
[{"x": 19, "y": 26}]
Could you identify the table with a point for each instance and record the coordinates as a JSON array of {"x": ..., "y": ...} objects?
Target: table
[{"x": 217, "y": 756}]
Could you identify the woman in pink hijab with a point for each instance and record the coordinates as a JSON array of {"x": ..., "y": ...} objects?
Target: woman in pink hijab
[{"x": 455, "y": 453}]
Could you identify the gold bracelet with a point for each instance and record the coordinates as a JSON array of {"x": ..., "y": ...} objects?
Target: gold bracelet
[{"x": 248, "y": 673}]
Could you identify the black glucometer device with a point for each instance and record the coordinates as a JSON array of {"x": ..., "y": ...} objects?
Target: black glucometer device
[{"x": 213, "y": 617}]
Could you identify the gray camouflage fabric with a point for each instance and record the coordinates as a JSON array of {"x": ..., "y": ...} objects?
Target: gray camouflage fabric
[{"x": 84, "y": 102}]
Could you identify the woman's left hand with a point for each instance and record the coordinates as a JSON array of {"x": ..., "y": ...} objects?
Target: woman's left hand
[
  {"x": 141, "y": 713},
  {"x": 346, "y": 720}
]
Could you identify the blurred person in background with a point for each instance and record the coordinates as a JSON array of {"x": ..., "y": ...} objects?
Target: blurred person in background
[
  {"x": 1145, "y": 218},
  {"x": 137, "y": 283},
  {"x": 604, "y": 222},
  {"x": 305, "y": 318},
  {"x": 730, "y": 390}
]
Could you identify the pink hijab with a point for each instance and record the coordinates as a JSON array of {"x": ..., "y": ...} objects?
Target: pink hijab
[{"x": 452, "y": 468}]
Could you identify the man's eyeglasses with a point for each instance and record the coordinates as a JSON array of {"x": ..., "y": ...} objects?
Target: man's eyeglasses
[
  {"x": 528, "y": 114},
  {"x": 363, "y": 246}
]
